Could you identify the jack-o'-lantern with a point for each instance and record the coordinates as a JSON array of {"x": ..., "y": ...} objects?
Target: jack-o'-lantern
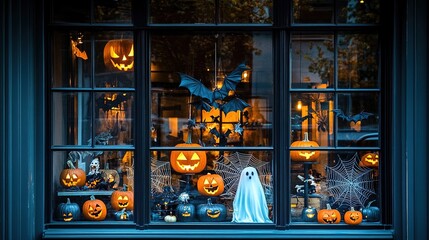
[
  {"x": 369, "y": 160},
  {"x": 328, "y": 215},
  {"x": 72, "y": 177},
  {"x": 185, "y": 212},
  {"x": 119, "y": 54},
  {"x": 121, "y": 199},
  {"x": 94, "y": 209},
  {"x": 309, "y": 214},
  {"x": 68, "y": 211},
  {"x": 188, "y": 161},
  {"x": 353, "y": 217},
  {"x": 304, "y": 155},
  {"x": 210, "y": 185},
  {"x": 210, "y": 212},
  {"x": 124, "y": 215}
]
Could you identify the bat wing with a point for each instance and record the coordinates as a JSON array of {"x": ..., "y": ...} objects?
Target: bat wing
[
  {"x": 341, "y": 115},
  {"x": 215, "y": 132},
  {"x": 361, "y": 116},
  {"x": 202, "y": 105},
  {"x": 230, "y": 82},
  {"x": 196, "y": 87},
  {"x": 234, "y": 104}
]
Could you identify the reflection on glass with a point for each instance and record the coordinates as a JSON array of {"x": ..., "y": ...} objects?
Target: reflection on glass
[
  {"x": 114, "y": 118},
  {"x": 207, "y": 194},
  {"x": 79, "y": 176},
  {"x": 182, "y": 11},
  {"x": 313, "y": 11},
  {"x": 358, "y": 11},
  {"x": 114, "y": 65},
  {"x": 112, "y": 11},
  {"x": 358, "y": 61},
  {"x": 337, "y": 180},
  {"x": 71, "y": 59},
  {"x": 312, "y": 61},
  {"x": 71, "y": 126},
  {"x": 246, "y": 11},
  {"x": 77, "y": 11}
]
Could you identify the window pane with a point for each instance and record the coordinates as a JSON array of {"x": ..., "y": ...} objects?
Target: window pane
[
  {"x": 340, "y": 180},
  {"x": 114, "y": 60},
  {"x": 312, "y": 61},
  {"x": 108, "y": 176},
  {"x": 71, "y": 118},
  {"x": 182, "y": 11},
  {"x": 358, "y": 11},
  {"x": 242, "y": 116},
  {"x": 246, "y": 11},
  {"x": 71, "y": 59},
  {"x": 358, "y": 61},
  {"x": 181, "y": 189},
  {"x": 113, "y": 11},
  {"x": 313, "y": 11},
  {"x": 72, "y": 11}
]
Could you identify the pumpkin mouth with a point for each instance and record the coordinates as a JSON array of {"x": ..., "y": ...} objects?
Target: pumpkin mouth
[
  {"x": 122, "y": 66},
  {"x": 186, "y": 214},
  {"x": 67, "y": 218},
  {"x": 211, "y": 190},
  {"x": 328, "y": 219},
  {"x": 188, "y": 167},
  {"x": 310, "y": 215},
  {"x": 123, "y": 204},
  {"x": 307, "y": 155},
  {"x": 94, "y": 213},
  {"x": 213, "y": 214}
]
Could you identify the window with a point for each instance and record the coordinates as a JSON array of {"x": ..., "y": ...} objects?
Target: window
[{"x": 160, "y": 111}]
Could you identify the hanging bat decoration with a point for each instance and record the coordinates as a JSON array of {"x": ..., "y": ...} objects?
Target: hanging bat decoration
[
  {"x": 352, "y": 118},
  {"x": 76, "y": 51},
  {"x": 298, "y": 119},
  {"x": 222, "y": 136}
]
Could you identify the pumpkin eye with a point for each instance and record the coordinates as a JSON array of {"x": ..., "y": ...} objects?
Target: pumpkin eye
[
  {"x": 126, "y": 198},
  {"x": 120, "y": 198},
  {"x": 182, "y": 157},
  {"x": 195, "y": 157},
  {"x": 68, "y": 176},
  {"x": 206, "y": 182},
  {"x": 214, "y": 182},
  {"x": 131, "y": 54},
  {"x": 113, "y": 54},
  {"x": 75, "y": 176}
]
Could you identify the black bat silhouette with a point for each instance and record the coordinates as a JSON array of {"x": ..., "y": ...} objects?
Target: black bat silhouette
[
  {"x": 222, "y": 137},
  {"x": 298, "y": 119},
  {"x": 352, "y": 118},
  {"x": 215, "y": 118}
]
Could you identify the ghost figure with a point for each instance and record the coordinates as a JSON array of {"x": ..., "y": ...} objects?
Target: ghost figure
[
  {"x": 94, "y": 167},
  {"x": 250, "y": 205}
]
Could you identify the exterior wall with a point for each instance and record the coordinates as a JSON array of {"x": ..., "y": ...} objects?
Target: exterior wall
[{"x": 22, "y": 127}]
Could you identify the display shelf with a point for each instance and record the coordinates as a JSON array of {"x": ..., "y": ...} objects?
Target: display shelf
[{"x": 84, "y": 193}]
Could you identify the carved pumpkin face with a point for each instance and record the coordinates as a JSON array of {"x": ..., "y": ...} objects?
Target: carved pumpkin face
[
  {"x": 123, "y": 215},
  {"x": 119, "y": 54},
  {"x": 185, "y": 212},
  {"x": 94, "y": 209},
  {"x": 73, "y": 177},
  {"x": 305, "y": 155},
  {"x": 353, "y": 217},
  {"x": 68, "y": 211},
  {"x": 309, "y": 214},
  {"x": 121, "y": 199},
  {"x": 369, "y": 160},
  {"x": 210, "y": 185},
  {"x": 211, "y": 212},
  {"x": 184, "y": 161},
  {"x": 328, "y": 216}
]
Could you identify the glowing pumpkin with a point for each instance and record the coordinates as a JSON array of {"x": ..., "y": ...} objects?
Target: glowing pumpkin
[
  {"x": 122, "y": 199},
  {"x": 119, "y": 54},
  {"x": 94, "y": 209},
  {"x": 210, "y": 185},
  {"x": 304, "y": 155},
  {"x": 72, "y": 176},
  {"x": 309, "y": 214},
  {"x": 328, "y": 215},
  {"x": 369, "y": 160},
  {"x": 68, "y": 211},
  {"x": 353, "y": 217},
  {"x": 188, "y": 161}
]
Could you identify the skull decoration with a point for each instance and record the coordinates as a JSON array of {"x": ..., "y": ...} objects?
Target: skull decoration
[{"x": 119, "y": 54}]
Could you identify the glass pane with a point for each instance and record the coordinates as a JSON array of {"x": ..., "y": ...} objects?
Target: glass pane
[
  {"x": 313, "y": 11},
  {"x": 71, "y": 59},
  {"x": 77, "y": 11},
  {"x": 108, "y": 176},
  {"x": 247, "y": 11},
  {"x": 71, "y": 118},
  {"x": 211, "y": 186},
  {"x": 241, "y": 115},
  {"x": 358, "y": 119},
  {"x": 114, "y": 60},
  {"x": 358, "y": 61},
  {"x": 112, "y": 11},
  {"x": 312, "y": 118},
  {"x": 182, "y": 11},
  {"x": 337, "y": 180},
  {"x": 114, "y": 118},
  {"x": 358, "y": 11},
  {"x": 312, "y": 61}
]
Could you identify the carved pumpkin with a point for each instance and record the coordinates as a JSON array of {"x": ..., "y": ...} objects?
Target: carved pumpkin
[
  {"x": 68, "y": 211},
  {"x": 210, "y": 185},
  {"x": 369, "y": 160},
  {"x": 371, "y": 213},
  {"x": 94, "y": 209},
  {"x": 328, "y": 215},
  {"x": 353, "y": 217},
  {"x": 119, "y": 54},
  {"x": 188, "y": 161},
  {"x": 304, "y": 155},
  {"x": 211, "y": 212},
  {"x": 122, "y": 199},
  {"x": 185, "y": 212},
  {"x": 72, "y": 177},
  {"x": 123, "y": 215},
  {"x": 309, "y": 214}
]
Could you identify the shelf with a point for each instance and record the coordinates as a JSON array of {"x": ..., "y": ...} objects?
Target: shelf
[{"x": 84, "y": 193}]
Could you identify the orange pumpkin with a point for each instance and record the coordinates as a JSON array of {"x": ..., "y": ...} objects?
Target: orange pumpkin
[
  {"x": 121, "y": 199},
  {"x": 328, "y": 215},
  {"x": 119, "y": 54},
  {"x": 369, "y": 160},
  {"x": 304, "y": 155},
  {"x": 353, "y": 217},
  {"x": 72, "y": 176},
  {"x": 210, "y": 185},
  {"x": 188, "y": 161},
  {"x": 94, "y": 209}
]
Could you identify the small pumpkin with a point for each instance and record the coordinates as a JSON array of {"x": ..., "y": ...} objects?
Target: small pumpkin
[
  {"x": 353, "y": 217},
  {"x": 68, "y": 211},
  {"x": 210, "y": 185},
  {"x": 371, "y": 213},
  {"x": 210, "y": 212},
  {"x": 119, "y": 54},
  {"x": 304, "y": 155},
  {"x": 94, "y": 209},
  {"x": 369, "y": 160},
  {"x": 185, "y": 212},
  {"x": 328, "y": 215},
  {"x": 309, "y": 214},
  {"x": 122, "y": 199},
  {"x": 188, "y": 161},
  {"x": 123, "y": 215},
  {"x": 170, "y": 218},
  {"x": 72, "y": 176}
]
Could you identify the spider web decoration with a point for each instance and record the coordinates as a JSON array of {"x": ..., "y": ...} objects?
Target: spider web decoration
[
  {"x": 230, "y": 167},
  {"x": 349, "y": 183},
  {"x": 160, "y": 175}
]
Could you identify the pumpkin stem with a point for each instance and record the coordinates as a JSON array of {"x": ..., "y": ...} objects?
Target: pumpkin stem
[
  {"x": 306, "y": 137},
  {"x": 352, "y": 209},
  {"x": 68, "y": 201},
  {"x": 70, "y": 164},
  {"x": 189, "y": 139},
  {"x": 328, "y": 206},
  {"x": 123, "y": 210},
  {"x": 369, "y": 204},
  {"x": 209, "y": 201},
  {"x": 92, "y": 197}
]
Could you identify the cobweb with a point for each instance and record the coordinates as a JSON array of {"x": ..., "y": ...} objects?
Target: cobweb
[
  {"x": 230, "y": 167},
  {"x": 349, "y": 183},
  {"x": 160, "y": 175}
]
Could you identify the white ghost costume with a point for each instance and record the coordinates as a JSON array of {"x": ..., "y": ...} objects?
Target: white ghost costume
[{"x": 250, "y": 205}]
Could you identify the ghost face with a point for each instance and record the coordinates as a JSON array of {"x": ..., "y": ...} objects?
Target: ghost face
[{"x": 94, "y": 167}]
